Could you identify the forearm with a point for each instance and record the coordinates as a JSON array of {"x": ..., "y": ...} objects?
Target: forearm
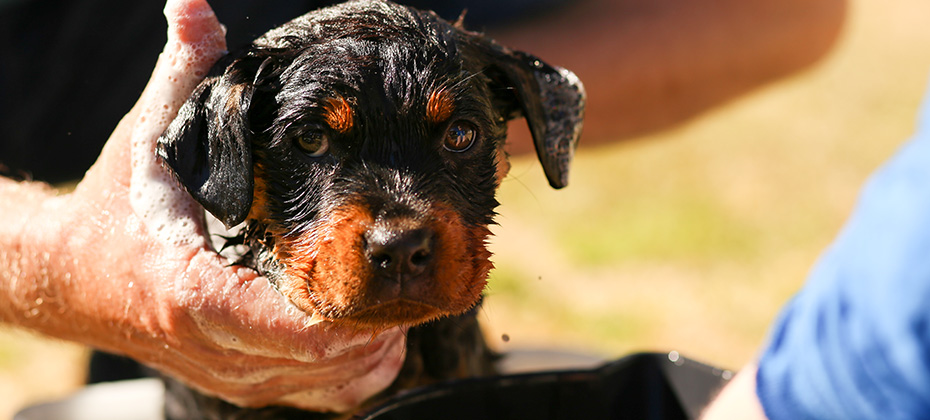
[
  {"x": 24, "y": 273},
  {"x": 48, "y": 287},
  {"x": 738, "y": 399},
  {"x": 648, "y": 65}
]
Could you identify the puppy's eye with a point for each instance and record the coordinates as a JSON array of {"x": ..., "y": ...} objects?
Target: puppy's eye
[
  {"x": 315, "y": 143},
  {"x": 460, "y": 136}
]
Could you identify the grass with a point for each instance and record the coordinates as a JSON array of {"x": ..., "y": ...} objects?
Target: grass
[
  {"x": 689, "y": 239},
  {"x": 675, "y": 227},
  {"x": 33, "y": 368}
]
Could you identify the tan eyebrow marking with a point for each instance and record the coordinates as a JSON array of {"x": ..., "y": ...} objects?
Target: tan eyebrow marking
[
  {"x": 338, "y": 114},
  {"x": 440, "y": 105}
]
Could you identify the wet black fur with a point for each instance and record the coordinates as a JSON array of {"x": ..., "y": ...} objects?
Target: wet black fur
[{"x": 384, "y": 59}]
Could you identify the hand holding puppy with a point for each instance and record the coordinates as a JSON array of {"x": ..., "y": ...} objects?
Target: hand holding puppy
[{"x": 123, "y": 264}]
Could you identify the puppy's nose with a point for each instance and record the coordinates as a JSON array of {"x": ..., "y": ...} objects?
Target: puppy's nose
[{"x": 397, "y": 251}]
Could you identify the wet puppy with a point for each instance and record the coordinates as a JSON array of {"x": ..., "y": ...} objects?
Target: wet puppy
[{"x": 359, "y": 148}]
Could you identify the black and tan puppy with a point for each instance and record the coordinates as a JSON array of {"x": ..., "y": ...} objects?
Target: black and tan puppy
[{"x": 361, "y": 146}]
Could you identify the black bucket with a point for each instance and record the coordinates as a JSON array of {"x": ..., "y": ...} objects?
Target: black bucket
[{"x": 644, "y": 386}]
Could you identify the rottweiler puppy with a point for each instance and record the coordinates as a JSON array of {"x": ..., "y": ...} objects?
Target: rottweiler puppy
[{"x": 358, "y": 149}]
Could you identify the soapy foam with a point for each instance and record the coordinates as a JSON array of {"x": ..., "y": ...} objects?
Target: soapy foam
[
  {"x": 382, "y": 367},
  {"x": 165, "y": 209}
]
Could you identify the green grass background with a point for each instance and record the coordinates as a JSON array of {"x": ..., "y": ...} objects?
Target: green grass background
[{"x": 688, "y": 240}]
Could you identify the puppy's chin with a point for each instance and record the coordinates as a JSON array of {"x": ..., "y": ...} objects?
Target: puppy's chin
[
  {"x": 380, "y": 317},
  {"x": 399, "y": 312},
  {"x": 367, "y": 314}
]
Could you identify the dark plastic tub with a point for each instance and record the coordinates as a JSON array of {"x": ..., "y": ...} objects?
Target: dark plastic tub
[{"x": 644, "y": 386}]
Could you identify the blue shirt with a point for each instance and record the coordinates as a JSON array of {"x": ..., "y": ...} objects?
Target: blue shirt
[{"x": 854, "y": 343}]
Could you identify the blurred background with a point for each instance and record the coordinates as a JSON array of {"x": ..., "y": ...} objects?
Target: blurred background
[{"x": 689, "y": 239}]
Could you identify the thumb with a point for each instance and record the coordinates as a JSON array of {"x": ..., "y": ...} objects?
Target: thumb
[{"x": 195, "y": 41}]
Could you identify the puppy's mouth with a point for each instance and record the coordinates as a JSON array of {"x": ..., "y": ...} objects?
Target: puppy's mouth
[{"x": 376, "y": 273}]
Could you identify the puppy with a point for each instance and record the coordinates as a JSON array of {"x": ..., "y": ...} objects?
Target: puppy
[{"x": 359, "y": 147}]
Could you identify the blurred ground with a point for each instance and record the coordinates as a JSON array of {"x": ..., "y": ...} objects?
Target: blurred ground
[{"x": 689, "y": 239}]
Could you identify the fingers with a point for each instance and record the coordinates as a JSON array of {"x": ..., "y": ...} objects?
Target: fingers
[
  {"x": 348, "y": 394},
  {"x": 246, "y": 314},
  {"x": 192, "y": 22},
  {"x": 267, "y": 352},
  {"x": 263, "y": 356},
  {"x": 335, "y": 386},
  {"x": 195, "y": 41}
]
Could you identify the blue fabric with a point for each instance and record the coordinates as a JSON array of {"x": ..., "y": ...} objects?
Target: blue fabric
[{"x": 855, "y": 342}]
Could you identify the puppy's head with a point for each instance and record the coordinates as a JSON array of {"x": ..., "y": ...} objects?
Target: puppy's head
[{"x": 363, "y": 145}]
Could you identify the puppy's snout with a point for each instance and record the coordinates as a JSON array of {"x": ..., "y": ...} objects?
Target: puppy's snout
[{"x": 399, "y": 252}]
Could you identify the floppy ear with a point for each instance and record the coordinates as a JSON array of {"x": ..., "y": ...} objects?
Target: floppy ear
[
  {"x": 208, "y": 145},
  {"x": 552, "y": 100}
]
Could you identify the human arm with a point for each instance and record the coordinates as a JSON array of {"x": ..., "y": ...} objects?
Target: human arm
[
  {"x": 737, "y": 400},
  {"x": 91, "y": 266},
  {"x": 649, "y": 65}
]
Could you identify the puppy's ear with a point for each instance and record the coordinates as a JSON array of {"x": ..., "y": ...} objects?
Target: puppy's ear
[
  {"x": 551, "y": 98},
  {"x": 208, "y": 145}
]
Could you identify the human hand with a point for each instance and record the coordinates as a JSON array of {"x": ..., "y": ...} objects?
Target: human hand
[{"x": 127, "y": 267}]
